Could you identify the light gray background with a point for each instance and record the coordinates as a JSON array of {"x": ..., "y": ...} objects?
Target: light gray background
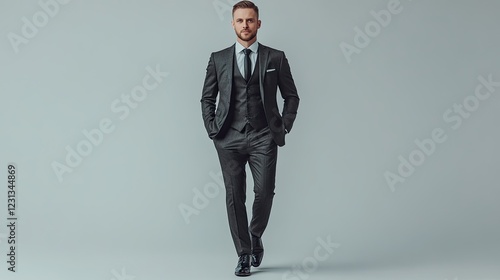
[{"x": 120, "y": 207}]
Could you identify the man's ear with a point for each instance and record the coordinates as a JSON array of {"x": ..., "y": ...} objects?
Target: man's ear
[{"x": 258, "y": 23}]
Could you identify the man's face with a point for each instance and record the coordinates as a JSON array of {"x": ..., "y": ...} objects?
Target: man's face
[{"x": 245, "y": 24}]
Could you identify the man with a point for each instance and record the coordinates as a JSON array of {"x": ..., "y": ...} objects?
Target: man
[{"x": 246, "y": 126}]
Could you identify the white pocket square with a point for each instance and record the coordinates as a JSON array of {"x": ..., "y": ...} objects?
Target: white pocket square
[{"x": 270, "y": 70}]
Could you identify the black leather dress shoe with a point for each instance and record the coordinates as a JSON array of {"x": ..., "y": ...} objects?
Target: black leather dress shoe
[
  {"x": 257, "y": 258},
  {"x": 257, "y": 251},
  {"x": 243, "y": 267}
]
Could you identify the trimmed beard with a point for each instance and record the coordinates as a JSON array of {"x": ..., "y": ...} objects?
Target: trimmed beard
[{"x": 246, "y": 40}]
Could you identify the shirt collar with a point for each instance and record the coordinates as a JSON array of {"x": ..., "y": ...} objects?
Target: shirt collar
[{"x": 254, "y": 47}]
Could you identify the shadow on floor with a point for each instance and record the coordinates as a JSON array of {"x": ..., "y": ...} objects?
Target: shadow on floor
[{"x": 342, "y": 267}]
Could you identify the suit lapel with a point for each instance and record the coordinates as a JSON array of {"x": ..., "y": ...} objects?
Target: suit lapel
[
  {"x": 262, "y": 57},
  {"x": 229, "y": 67}
]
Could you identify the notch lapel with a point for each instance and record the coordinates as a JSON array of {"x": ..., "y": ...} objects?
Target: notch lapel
[
  {"x": 227, "y": 69},
  {"x": 263, "y": 58}
]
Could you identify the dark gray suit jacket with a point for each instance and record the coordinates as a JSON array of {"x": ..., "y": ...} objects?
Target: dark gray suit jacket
[{"x": 273, "y": 71}]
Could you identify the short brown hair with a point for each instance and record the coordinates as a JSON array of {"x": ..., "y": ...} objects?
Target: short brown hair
[{"x": 246, "y": 5}]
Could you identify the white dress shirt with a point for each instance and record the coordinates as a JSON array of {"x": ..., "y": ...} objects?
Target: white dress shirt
[{"x": 240, "y": 56}]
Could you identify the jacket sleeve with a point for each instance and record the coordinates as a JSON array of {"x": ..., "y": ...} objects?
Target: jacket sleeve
[
  {"x": 289, "y": 94},
  {"x": 209, "y": 97}
]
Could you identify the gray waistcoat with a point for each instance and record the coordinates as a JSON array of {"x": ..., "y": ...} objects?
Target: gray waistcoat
[{"x": 246, "y": 102}]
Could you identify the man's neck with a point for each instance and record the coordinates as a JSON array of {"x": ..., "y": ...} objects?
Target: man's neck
[{"x": 247, "y": 44}]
